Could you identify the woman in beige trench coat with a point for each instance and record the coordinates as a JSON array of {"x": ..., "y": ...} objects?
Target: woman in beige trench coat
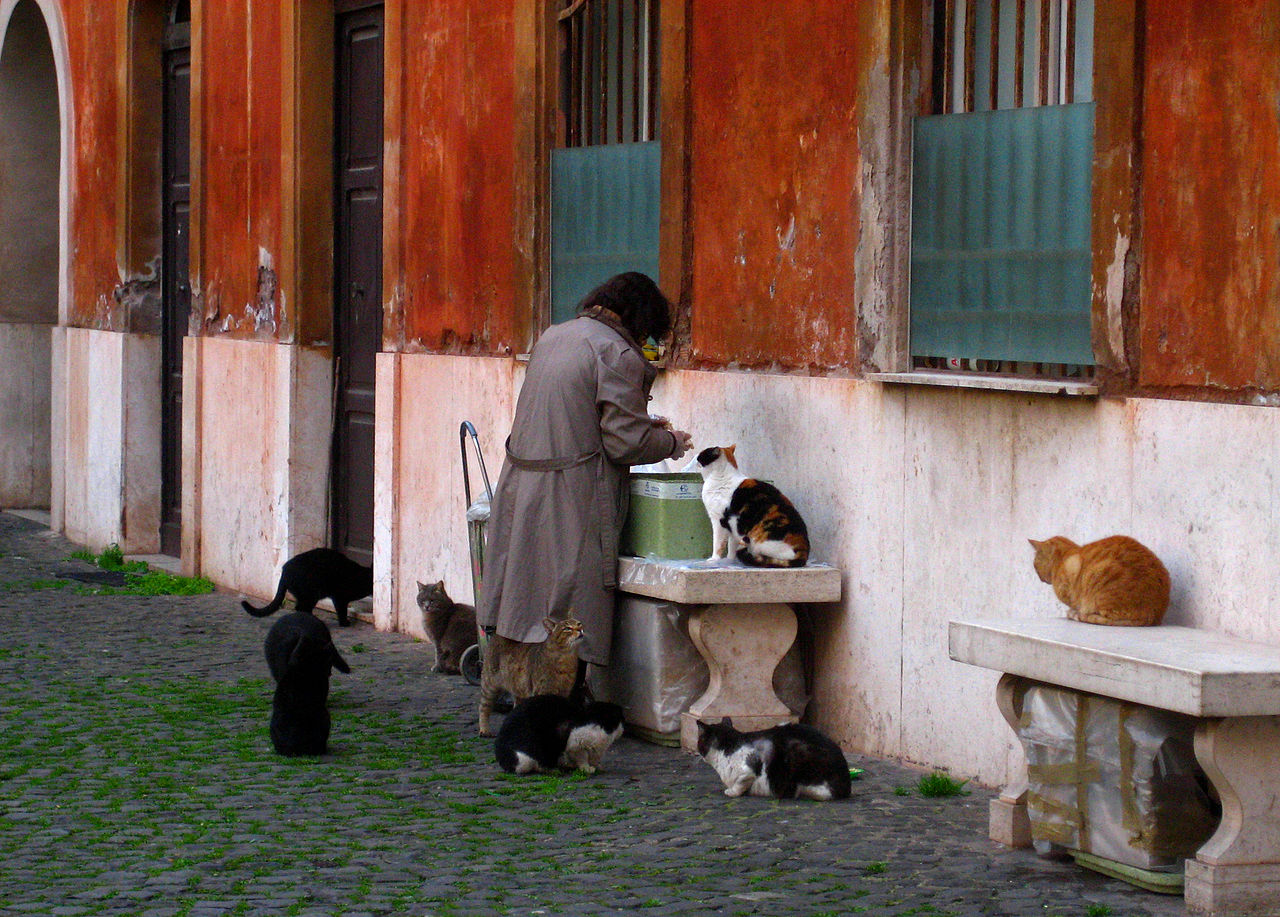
[{"x": 581, "y": 420}]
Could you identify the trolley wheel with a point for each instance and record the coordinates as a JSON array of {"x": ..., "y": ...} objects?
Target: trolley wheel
[{"x": 471, "y": 664}]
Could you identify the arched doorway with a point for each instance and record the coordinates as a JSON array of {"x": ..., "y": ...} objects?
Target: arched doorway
[{"x": 30, "y": 156}]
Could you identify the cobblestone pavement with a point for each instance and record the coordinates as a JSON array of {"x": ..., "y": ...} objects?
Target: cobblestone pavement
[{"x": 137, "y": 778}]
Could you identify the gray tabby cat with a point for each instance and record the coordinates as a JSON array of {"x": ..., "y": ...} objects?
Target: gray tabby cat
[
  {"x": 450, "y": 625},
  {"x": 526, "y": 669}
]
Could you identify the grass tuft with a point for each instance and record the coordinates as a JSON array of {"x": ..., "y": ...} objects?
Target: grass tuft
[
  {"x": 140, "y": 579},
  {"x": 938, "y": 784}
]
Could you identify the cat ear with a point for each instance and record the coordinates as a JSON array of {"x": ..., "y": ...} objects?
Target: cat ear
[
  {"x": 549, "y": 624},
  {"x": 1035, "y": 544},
  {"x": 727, "y": 721},
  {"x": 440, "y": 584},
  {"x": 729, "y": 454},
  {"x": 421, "y": 585}
]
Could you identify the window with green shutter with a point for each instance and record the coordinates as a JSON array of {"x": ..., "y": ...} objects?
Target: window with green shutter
[
  {"x": 605, "y": 169},
  {"x": 1001, "y": 191}
]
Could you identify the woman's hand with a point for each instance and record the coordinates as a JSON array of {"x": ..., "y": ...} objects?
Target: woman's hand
[{"x": 684, "y": 442}]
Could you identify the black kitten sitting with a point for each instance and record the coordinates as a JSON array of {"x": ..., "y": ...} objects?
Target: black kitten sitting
[
  {"x": 547, "y": 731},
  {"x": 299, "y": 654},
  {"x": 321, "y": 573},
  {"x": 784, "y": 761}
]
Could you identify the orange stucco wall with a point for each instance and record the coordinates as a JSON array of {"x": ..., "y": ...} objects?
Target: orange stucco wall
[
  {"x": 774, "y": 184},
  {"x": 776, "y": 127},
  {"x": 94, "y": 169},
  {"x": 1210, "y": 299},
  {"x": 457, "y": 150},
  {"x": 239, "y": 239}
]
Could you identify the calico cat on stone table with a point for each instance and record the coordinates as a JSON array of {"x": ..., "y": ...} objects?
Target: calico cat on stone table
[
  {"x": 750, "y": 519},
  {"x": 321, "y": 573}
]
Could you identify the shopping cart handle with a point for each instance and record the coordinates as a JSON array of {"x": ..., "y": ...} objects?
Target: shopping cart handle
[{"x": 468, "y": 427}]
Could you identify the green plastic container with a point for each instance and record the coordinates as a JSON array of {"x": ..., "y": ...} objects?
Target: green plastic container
[{"x": 667, "y": 518}]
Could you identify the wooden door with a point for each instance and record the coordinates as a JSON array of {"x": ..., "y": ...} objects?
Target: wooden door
[
  {"x": 358, "y": 273},
  {"x": 175, "y": 286}
]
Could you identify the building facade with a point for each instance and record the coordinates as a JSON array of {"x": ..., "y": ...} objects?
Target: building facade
[{"x": 954, "y": 275}]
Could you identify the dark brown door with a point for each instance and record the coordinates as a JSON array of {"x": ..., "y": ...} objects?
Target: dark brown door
[
  {"x": 358, "y": 274},
  {"x": 175, "y": 286}
]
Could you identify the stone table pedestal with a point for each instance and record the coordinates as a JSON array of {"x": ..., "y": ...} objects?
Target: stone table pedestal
[{"x": 741, "y": 621}]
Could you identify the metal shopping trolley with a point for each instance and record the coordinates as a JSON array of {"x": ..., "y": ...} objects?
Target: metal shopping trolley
[{"x": 472, "y": 660}]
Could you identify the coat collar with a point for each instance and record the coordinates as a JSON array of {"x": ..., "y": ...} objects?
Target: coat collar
[{"x": 610, "y": 319}]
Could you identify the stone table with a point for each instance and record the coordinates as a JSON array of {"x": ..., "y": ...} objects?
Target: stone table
[
  {"x": 742, "y": 623},
  {"x": 1232, "y": 687}
]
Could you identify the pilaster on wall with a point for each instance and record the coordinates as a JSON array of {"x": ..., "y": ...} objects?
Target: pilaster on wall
[
  {"x": 255, "y": 458},
  {"x": 420, "y": 527},
  {"x": 106, "y": 441}
]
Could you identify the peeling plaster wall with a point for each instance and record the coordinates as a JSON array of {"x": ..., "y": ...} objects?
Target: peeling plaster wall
[
  {"x": 109, "y": 437},
  {"x": 454, "y": 140},
  {"x": 775, "y": 168},
  {"x": 263, "y": 458},
  {"x": 91, "y": 34},
  {"x": 240, "y": 230},
  {"x": 1211, "y": 199},
  {"x": 420, "y": 537}
]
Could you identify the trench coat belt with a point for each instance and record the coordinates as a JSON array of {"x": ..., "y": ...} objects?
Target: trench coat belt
[
  {"x": 609, "y": 533},
  {"x": 551, "y": 464}
]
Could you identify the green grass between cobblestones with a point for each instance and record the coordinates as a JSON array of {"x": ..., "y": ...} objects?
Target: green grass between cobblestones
[
  {"x": 120, "y": 766},
  {"x": 139, "y": 578}
]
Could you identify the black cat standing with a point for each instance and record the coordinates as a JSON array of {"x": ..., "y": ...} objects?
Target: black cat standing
[
  {"x": 300, "y": 654},
  {"x": 321, "y": 573}
]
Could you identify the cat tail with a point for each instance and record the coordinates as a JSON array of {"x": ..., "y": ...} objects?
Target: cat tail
[
  {"x": 269, "y": 609},
  {"x": 338, "y": 662}
]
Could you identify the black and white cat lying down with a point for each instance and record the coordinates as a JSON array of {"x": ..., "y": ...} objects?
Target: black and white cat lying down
[
  {"x": 792, "y": 760},
  {"x": 547, "y": 731}
]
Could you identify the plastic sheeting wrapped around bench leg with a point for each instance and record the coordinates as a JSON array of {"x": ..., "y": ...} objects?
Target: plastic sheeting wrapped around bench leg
[
  {"x": 656, "y": 673},
  {"x": 1113, "y": 780}
]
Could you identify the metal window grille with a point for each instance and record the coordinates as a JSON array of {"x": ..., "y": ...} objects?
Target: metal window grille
[
  {"x": 605, "y": 169},
  {"x": 608, "y": 72},
  {"x": 1001, "y": 190}
]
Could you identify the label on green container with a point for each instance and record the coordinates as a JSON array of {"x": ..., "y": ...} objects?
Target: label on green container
[{"x": 667, "y": 490}]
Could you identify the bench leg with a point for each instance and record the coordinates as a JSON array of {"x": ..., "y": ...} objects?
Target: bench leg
[
  {"x": 742, "y": 645},
  {"x": 1237, "y": 871},
  {"x": 1009, "y": 823}
]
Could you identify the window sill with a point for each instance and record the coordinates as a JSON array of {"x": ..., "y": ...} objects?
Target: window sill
[{"x": 990, "y": 382}]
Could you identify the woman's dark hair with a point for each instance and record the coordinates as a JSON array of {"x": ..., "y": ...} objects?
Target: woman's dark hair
[{"x": 637, "y": 302}]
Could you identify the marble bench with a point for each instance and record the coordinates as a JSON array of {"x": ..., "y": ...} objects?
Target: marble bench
[
  {"x": 1231, "y": 686},
  {"x": 741, "y": 621}
]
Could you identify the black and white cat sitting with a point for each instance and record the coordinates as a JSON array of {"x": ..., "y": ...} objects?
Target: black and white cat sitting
[
  {"x": 547, "y": 732},
  {"x": 791, "y": 760},
  {"x": 750, "y": 519},
  {"x": 300, "y": 653},
  {"x": 321, "y": 573}
]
